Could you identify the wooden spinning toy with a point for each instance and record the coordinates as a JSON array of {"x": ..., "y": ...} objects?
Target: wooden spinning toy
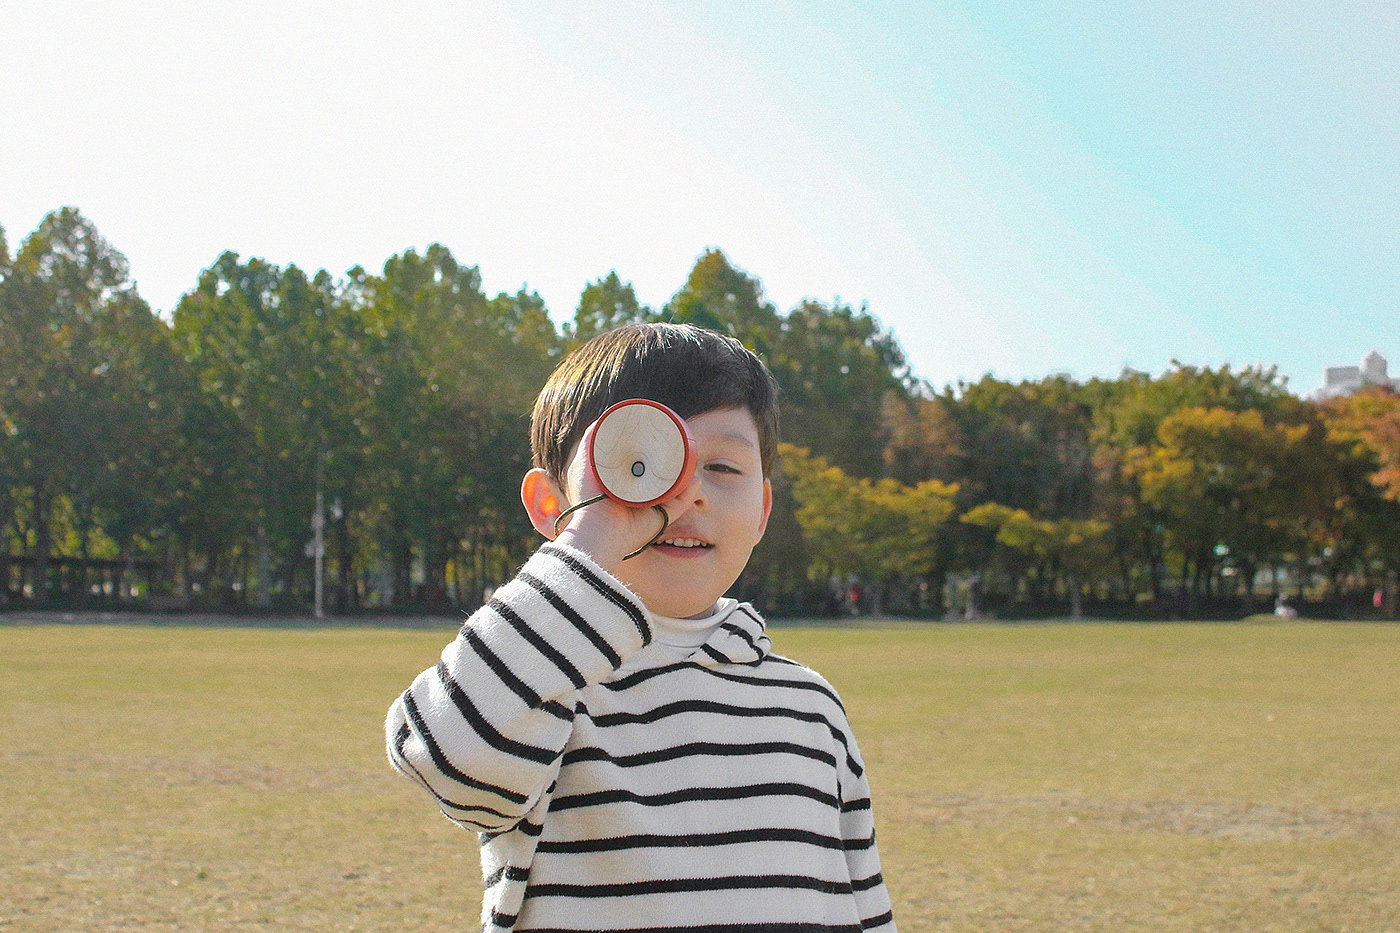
[{"x": 642, "y": 454}]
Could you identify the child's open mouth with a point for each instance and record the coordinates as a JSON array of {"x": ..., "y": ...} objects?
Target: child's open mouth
[{"x": 684, "y": 544}]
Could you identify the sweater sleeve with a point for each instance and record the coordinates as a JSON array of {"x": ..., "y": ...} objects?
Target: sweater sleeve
[
  {"x": 862, "y": 854},
  {"x": 483, "y": 731}
]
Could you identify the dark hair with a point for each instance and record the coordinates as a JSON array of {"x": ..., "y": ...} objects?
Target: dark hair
[{"x": 686, "y": 368}]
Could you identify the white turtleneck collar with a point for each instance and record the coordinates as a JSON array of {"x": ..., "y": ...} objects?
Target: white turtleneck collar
[{"x": 677, "y": 639}]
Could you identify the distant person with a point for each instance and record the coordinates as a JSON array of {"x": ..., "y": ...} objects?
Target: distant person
[{"x": 616, "y": 729}]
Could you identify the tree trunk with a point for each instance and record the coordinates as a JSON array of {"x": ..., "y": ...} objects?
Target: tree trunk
[
  {"x": 403, "y": 573},
  {"x": 1247, "y": 601},
  {"x": 264, "y": 598},
  {"x": 345, "y": 561},
  {"x": 43, "y": 543},
  {"x": 83, "y": 575}
]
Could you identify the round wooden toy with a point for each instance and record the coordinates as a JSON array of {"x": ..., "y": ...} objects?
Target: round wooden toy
[{"x": 640, "y": 452}]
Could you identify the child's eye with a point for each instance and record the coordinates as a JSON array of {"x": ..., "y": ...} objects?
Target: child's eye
[{"x": 724, "y": 468}]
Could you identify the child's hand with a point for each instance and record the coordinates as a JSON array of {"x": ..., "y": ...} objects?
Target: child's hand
[
  {"x": 607, "y": 530},
  {"x": 610, "y": 532}
]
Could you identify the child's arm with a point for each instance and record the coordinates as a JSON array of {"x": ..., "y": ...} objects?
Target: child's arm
[{"x": 484, "y": 730}]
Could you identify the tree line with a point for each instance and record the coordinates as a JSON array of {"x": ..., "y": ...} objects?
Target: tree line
[{"x": 184, "y": 460}]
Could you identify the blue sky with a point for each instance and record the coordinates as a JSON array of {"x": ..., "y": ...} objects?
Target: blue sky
[{"x": 1013, "y": 188}]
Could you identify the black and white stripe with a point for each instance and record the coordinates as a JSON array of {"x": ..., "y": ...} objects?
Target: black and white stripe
[{"x": 724, "y": 792}]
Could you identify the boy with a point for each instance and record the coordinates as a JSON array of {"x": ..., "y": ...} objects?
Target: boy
[{"x": 616, "y": 729}]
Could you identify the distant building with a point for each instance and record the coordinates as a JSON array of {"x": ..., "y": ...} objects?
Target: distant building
[{"x": 1344, "y": 380}]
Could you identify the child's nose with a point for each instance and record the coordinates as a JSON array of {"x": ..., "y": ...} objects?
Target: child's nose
[{"x": 691, "y": 495}]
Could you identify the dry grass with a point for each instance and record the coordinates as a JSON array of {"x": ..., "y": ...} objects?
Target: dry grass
[{"x": 1044, "y": 777}]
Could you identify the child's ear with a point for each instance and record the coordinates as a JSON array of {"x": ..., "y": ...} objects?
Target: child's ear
[
  {"x": 541, "y": 498},
  {"x": 767, "y": 507}
]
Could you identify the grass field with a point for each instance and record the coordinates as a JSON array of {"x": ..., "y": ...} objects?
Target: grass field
[{"x": 1078, "y": 777}]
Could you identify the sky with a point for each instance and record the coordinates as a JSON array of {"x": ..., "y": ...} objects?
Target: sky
[{"x": 1010, "y": 188}]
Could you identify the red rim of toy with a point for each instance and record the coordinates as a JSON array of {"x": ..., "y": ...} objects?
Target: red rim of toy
[{"x": 687, "y": 466}]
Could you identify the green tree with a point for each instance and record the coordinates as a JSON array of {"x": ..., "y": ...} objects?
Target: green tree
[
  {"x": 837, "y": 367},
  {"x": 7, "y": 425},
  {"x": 604, "y": 305},
  {"x": 1026, "y": 446},
  {"x": 454, "y": 374},
  {"x": 279, "y": 357},
  {"x": 85, "y": 428},
  {"x": 721, "y": 297}
]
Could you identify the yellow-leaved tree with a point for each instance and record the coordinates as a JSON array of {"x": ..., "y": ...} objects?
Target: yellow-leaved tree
[
  {"x": 881, "y": 531},
  {"x": 1073, "y": 546}
]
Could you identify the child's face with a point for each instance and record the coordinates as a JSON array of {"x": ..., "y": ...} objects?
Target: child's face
[{"x": 715, "y": 522}]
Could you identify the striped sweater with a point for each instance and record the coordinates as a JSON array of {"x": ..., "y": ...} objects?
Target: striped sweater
[{"x": 724, "y": 792}]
